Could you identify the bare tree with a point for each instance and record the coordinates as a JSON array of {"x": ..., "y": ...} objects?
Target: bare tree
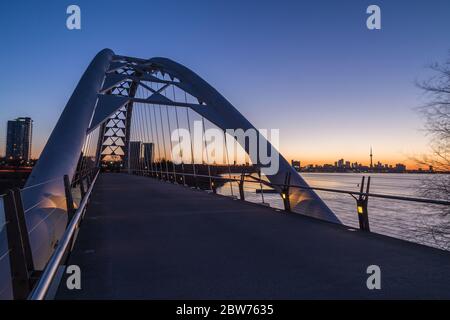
[{"x": 436, "y": 113}]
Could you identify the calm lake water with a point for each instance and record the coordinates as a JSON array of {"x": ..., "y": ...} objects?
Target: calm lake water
[{"x": 401, "y": 219}]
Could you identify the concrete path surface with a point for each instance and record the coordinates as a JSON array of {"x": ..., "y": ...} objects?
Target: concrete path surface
[{"x": 147, "y": 239}]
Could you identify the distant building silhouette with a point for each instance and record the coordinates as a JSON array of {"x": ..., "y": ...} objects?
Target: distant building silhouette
[
  {"x": 148, "y": 154},
  {"x": 296, "y": 164},
  {"x": 18, "y": 139},
  {"x": 347, "y": 166},
  {"x": 135, "y": 154}
]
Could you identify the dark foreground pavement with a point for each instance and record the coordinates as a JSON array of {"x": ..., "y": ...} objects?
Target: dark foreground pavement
[{"x": 146, "y": 239}]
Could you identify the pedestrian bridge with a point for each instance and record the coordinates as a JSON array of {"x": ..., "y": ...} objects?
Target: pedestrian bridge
[
  {"x": 159, "y": 230},
  {"x": 168, "y": 241}
]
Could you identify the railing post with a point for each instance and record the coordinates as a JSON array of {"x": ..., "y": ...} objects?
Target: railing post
[
  {"x": 241, "y": 187},
  {"x": 285, "y": 192},
  {"x": 183, "y": 177},
  {"x": 174, "y": 170},
  {"x": 260, "y": 185},
  {"x": 20, "y": 256},
  {"x": 213, "y": 186},
  {"x": 196, "y": 182},
  {"x": 183, "y": 180},
  {"x": 23, "y": 228},
  {"x": 82, "y": 190},
  {"x": 89, "y": 180},
  {"x": 69, "y": 198},
  {"x": 361, "y": 203}
]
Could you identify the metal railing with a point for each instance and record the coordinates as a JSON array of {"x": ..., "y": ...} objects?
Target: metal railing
[
  {"x": 163, "y": 176},
  {"x": 40, "y": 290},
  {"x": 39, "y": 284},
  {"x": 210, "y": 182},
  {"x": 23, "y": 273}
]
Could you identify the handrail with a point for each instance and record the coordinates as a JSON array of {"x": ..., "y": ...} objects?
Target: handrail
[
  {"x": 270, "y": 184},
  {"x": 40, "y": 290},
  {"x": 375, "y": 195}
]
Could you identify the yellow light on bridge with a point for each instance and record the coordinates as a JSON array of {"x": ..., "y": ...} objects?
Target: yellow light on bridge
[
  {"x": 283, "y": 195},
  {"x": 360, "y": 209}
]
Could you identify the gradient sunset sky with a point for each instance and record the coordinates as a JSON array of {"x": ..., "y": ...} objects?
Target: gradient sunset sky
[{"x": 310, "y": 68}]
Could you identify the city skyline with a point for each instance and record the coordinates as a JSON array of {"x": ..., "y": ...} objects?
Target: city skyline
[
  {"x": 143, "y": 146},
  {"x": 328, "y": 104},
  {"x": 370, "y": 160},
  {"x": 410, "y": 162},
  {"x": 343, "y": 165},
  {"x": 344, "y": 161}
]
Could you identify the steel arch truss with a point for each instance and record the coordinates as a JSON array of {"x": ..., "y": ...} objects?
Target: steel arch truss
[{"x": 156, "y": 77}]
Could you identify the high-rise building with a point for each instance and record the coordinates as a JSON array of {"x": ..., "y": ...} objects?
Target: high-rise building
[
  {"x": 135, "y": 154},
  {"x": 371, "y": 157},
  {"x": 148, "y": 154},
  {"x": 18, "y": 139}
]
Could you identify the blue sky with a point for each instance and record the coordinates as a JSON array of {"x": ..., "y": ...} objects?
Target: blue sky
[{"x": 310, "y": 68}]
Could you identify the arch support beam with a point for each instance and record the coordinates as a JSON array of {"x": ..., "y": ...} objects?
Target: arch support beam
[{"x": 60, "y": 156}]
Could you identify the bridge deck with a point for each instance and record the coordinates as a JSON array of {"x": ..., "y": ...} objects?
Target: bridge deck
[{"x": 147, "y": 239}]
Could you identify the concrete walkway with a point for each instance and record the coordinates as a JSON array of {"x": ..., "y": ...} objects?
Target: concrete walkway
[{"x": 146, "y": 239}]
